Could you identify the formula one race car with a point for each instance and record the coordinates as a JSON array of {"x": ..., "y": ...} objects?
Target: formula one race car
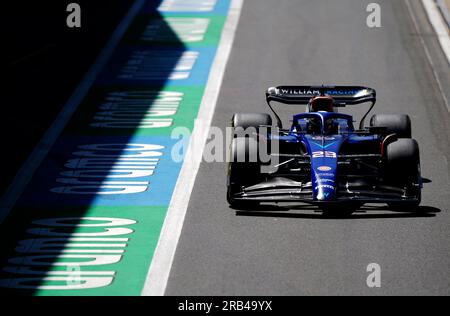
[{"x": 322, "y": 159}]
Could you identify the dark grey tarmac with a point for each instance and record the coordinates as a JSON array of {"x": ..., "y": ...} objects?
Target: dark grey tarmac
[{"x": 222, "y": 252}]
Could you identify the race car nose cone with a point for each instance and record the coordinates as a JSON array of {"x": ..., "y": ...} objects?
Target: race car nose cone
[
  {"x": 325, "y": 192},
  {"x": 324, "y": 188}
]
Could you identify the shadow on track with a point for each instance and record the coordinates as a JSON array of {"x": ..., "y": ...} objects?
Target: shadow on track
[
  {"x": 27, "y": 267},
  {"x": 363, "y": 213},
  {"x": 43, "y": 61}
]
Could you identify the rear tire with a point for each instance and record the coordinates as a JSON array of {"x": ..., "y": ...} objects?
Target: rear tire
[
  {"x": 399, "y": 124},
  {"x": 246, "y": 120}
]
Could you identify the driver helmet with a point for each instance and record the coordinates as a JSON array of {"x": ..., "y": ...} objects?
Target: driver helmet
[{"x": 321, "y": 103}]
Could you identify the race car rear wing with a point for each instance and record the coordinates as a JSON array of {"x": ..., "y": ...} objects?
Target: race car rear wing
[{"x": 343, "y": 95}]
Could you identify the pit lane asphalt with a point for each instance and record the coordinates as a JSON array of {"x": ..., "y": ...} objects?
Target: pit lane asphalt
[{"x": 222, "y": 252}]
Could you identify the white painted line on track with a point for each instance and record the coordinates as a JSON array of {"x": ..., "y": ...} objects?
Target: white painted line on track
[
  {"x": 158, "y": 274},
  {"x": 30, "y": 166},
  {"x": 444, "y": 10},
  {"x": 427, "y": 53},
  {"x": 440, "y": 28}
]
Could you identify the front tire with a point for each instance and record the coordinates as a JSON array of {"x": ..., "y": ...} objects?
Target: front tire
[
  {"x": 244, "y": 166},
  {"x": 403, "y": 170},
  {"x": 242, "y": 171}
]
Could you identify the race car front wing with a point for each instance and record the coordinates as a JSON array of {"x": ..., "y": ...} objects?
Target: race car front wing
[{"x": 286, "y": 190}]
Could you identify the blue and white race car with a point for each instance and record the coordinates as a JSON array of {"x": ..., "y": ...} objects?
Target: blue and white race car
[{"x": 322, "y": 158}]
